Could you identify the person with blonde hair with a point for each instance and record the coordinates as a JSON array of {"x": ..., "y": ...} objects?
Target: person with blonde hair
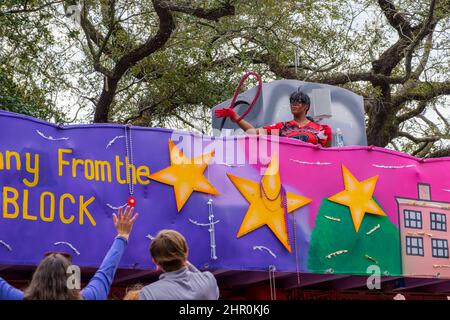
[
  {"x": 132, "y": 292},
  {"x": 180, "y": 279}
]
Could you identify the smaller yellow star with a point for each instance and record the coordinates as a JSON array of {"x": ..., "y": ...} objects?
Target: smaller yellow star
[
  {"x": 185, "y": 175},
  {"x": 358, "y": 197}
]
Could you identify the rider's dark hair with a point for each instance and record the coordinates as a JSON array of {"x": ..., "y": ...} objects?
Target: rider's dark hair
[{"x": 298, "y": 96}]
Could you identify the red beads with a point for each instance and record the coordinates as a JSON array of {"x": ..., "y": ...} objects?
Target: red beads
[{"x": 131, "y": 201}]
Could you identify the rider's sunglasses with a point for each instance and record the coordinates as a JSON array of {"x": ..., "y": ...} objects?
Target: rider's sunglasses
[{"x": 298, "y": 103}]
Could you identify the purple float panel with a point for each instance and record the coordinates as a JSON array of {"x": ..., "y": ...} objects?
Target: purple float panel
[{"x": 60, "y": 185}]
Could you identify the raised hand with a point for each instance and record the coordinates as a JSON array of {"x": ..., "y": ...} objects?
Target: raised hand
[
  {"x": 124, "y": 221},
  {"x": 226, "y": 113}
]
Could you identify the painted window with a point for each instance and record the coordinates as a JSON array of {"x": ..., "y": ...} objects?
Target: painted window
[
  {"x": 413, "y": 219},
  {"x": 414, "y": 246},
  {"x": 438, "y": 221},
  {"x": 439, "y": 248}
]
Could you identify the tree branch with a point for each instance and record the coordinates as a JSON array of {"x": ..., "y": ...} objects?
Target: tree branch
[
  {"x": 90, "y": 31},
  {"x": 421, "y": 147},
  {"x": 430, "y": 123},
  {"x": 209, "y": 14},
  {"x": 427, "y": 28},
  {"x": 395, "y": 18},
  {"x": 411, "y": 114},
  {"x": 274, "y": 65},
  {"x": 141, "y": 112},
  {"x": 422, "y": 91},
  {"x": 166, "y": 27},
  {"x": 424, "y": 60},
  {"x": 410, "y": 37},
  {"x": 343, "y": 78},
  {"x": 188, "y": 123},
  {"x": 417, "y": 140},
  {"x": 109, "y": 18},
  {"x": 439, "y": 153},
  {"x": 285, "y": 71},
  {"x": 426, "y": 149},
  {"x": 440, "y": 115},
  {"x": 395, "y": 145}
]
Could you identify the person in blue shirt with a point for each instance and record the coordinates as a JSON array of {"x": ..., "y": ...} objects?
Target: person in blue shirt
[{"x": 49, "y": 281}]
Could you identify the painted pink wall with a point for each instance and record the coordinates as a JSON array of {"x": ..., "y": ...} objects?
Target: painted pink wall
[
  {"x": 322, "y": 181},
  {"x": 417, "y": 265}
]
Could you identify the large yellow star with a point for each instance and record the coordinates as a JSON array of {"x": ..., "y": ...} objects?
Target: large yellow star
[
  {"x": 267, "y": 209},
  {"x": 358, "y": 197},
  {"x": 185, "y": 175}
]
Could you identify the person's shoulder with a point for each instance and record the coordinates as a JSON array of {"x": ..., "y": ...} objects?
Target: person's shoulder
[
  {"x": 146, "y": 293},
  {"x": 277, "y": 125},
  {"x": 312, "y": 124},
  {"x": 153, "y": 289},
  {"x": 213, "y": 288},
  {"x": 288, "y": 123},
  {"x": 204, "y": 274},
  {"x": 154, "y": 286},
  {"x": 209, "y": 276}
]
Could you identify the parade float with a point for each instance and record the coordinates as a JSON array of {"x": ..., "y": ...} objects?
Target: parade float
[{"x": 255, "y": 210}]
